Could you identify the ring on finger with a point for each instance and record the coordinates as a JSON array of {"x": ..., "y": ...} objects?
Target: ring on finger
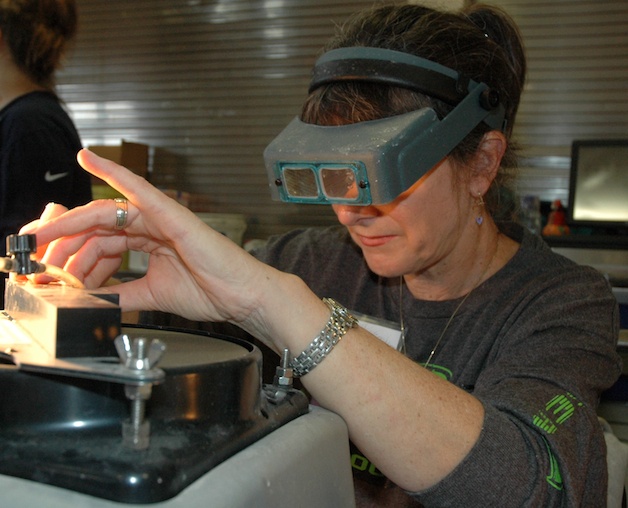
[{"x": 122, "y": 213}]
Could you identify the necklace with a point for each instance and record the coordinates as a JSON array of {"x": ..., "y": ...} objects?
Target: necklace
[{"x": 402, "y": 349}]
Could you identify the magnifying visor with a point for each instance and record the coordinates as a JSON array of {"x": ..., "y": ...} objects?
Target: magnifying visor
[{"x": 373, "y": 162}]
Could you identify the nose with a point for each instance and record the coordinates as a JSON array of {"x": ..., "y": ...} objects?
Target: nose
[{"x": 349, "y": 215}]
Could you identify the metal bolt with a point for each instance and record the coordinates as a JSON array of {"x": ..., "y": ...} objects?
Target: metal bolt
[{"x": 135, "y": 355}]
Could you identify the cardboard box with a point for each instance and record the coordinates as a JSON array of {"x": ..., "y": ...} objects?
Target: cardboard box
[
  {"x": 133, "y": 156},
  {"x": 165, "y": 169}
]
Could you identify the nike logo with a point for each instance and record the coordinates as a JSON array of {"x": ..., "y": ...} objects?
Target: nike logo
[{"x": 51, "y": 178}]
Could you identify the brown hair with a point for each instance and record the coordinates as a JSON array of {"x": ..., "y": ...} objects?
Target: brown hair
[
  {"x": 37, "y": 32},
  {"x": 481, "y": 42}
]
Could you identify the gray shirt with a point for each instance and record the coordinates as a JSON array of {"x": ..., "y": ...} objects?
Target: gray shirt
[{"x": 535, "y": 344}]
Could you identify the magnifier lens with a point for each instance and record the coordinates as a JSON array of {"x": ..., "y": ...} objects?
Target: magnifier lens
[
  {"x": 339, "y": 183},
  {"x": 300, "y": 182}
]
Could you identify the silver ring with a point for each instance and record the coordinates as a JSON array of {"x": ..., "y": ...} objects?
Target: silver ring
[{"x": 122, "y": 213}]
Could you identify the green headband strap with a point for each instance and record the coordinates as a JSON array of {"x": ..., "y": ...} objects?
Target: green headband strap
[{"x": 396, "y": 68}]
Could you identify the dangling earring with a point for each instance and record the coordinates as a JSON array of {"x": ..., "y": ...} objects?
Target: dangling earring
[{"x": 480, "y": 204}]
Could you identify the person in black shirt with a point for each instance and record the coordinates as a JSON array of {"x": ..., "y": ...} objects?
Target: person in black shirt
[{"x": 38, "y": 140}]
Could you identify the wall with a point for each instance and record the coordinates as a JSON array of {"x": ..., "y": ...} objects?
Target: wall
[
  {"x": 210, "y": 82},
  {"x": 577, "y": 84}
]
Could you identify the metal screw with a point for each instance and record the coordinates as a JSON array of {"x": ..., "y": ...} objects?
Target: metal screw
[{"x": 134, "y": 355}]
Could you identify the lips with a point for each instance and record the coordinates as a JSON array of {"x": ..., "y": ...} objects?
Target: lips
[{"x": 373, "y": 241}]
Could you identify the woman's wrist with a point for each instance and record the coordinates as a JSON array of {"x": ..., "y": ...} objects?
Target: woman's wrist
[
  {"x": 285, "y": 313},
  {"x": 340, "y": 321}
]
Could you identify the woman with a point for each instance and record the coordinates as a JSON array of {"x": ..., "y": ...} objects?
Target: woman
[
  {"x": 38, "y": 141},
  {"x": 521, "y": 340}
]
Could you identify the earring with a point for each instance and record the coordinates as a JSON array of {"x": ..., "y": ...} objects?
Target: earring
[{"x": 480, "y": 203}]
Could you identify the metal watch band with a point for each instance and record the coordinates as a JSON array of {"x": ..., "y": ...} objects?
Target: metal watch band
[{"x": 339, "y": 322}]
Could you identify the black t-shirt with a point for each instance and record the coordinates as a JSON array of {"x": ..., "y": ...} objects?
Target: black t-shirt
[{"x": 38, "y": 147}]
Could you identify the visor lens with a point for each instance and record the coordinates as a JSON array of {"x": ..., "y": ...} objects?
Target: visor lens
[
  {"x": 325, "y": 182},
  {"x": 300, "y": 182},
  {"x": 339, "y": 183}
]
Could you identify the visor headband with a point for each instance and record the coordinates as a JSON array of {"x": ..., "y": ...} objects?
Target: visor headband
[
  {"x": 373, "y": 162},
  {"x": 390, "y": 67}
]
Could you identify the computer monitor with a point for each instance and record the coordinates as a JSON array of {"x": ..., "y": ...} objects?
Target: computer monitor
[{"x": 598, "y": 184}]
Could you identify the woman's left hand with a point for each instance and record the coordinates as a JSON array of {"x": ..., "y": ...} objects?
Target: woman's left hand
[{"x": 193, "y": 271}]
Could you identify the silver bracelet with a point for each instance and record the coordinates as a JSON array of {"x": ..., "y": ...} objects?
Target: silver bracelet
[{"x": 339, "y": 322}]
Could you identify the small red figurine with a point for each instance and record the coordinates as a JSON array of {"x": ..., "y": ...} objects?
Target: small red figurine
[{"x": 556, "y": 222}]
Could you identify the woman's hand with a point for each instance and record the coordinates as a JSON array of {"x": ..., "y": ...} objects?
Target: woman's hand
[{"x": 193, "y": 270}]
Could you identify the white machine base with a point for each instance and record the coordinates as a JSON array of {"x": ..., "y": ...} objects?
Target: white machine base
[{"x": 304, "y": 463}]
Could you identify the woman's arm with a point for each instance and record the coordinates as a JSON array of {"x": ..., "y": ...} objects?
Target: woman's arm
[{"x": 196, "y": 272}]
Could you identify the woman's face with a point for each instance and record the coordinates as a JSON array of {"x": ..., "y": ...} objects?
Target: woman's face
[{"x": 417, "y": 230}]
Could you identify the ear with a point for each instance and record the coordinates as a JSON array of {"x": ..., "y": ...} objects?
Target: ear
[{"x": 486, "y": 162}]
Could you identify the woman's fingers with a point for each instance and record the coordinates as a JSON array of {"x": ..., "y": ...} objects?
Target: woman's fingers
[
  {"x": 52, "y": 210},
  {"x": 193, "y": 270},
  {"x": 95, "y": 216},
  {"x": 132, "y": 186},
  {"x": 96, "y": 260},
  {"x": 102, "y": 272}
]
